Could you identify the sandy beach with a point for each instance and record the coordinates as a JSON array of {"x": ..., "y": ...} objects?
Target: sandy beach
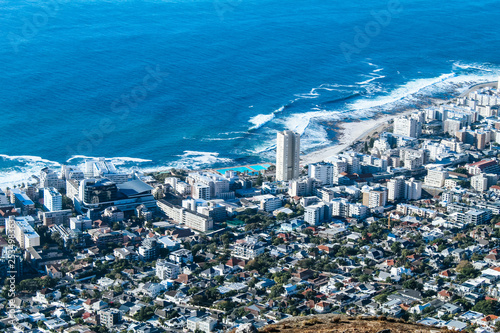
[{"x": 351, "y": 132}]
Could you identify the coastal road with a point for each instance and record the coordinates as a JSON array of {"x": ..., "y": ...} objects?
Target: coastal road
[{"x": 478, "y": 86}]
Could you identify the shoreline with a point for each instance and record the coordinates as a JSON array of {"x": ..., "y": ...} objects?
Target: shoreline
[
  {"x": 358, "y": 131},
  {"x": 348, "y": 133},
  {"x": 351, "y": 132}
]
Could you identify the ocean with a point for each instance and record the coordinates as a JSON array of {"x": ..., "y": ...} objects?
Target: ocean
[{"x": 156, "y": 84}]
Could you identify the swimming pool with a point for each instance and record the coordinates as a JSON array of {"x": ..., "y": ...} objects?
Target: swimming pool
[{"x": 250, "y": 169}]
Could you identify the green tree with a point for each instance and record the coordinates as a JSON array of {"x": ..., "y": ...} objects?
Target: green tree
[
  {"x": 486, "y": 307},
  {"x": 281, "y": 216},
  {"x": 396, "y": 248}
]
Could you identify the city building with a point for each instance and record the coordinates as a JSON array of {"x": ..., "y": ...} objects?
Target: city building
[
  {"x": 479, "y": 182},
  {"x": 322, "y": 172},
  {"x": 248, "y": 250},
  {"x": 23, "y": 231},
  {"x": 80, "y": 222},
  {"x": 101, "y": 168},
  {"x": 166, "y": 270},
  {"x": 318, "y": 213},
  {"x": 57, "y": 217},
  {"x": 48, "y": 178},
  {"x": 287, "y": 155},
  {"x": 204, "y": 324},
  {"x": 22, "y": 201},
  {"x": 110, "y": 317},
  {"x": 396, "y": 188},
  {"x": 376, "y": 197},
  {"x": 190, "y": 219},
  {"x": 52, "y": 199},
  {"x": 407, "y": 126},
  {"x": 435, "y": 177}
]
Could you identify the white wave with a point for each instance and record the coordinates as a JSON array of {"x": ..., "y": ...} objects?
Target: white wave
[
  {"x": 481, "y": 67},
  {"x": 115, "y": 160},
  {"x": 197, "y": 160},
  {"x": 17, "y": 177},
  {"x": 299, "y": 122},
  {"x": 224, "y": 139},
  {"x": 260, "y": 119},
  {"x": 29, "y": 158},
  {"x": 405, "y": 90},
  {"x": 371, "y": 79},
  {"x": 307, "y": 96},
  {"x": 378, "y": 70},
  {"x": 234, "y": 132},
  {"x": 22, "y": 173}
]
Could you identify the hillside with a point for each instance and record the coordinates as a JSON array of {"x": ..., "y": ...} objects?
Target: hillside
[{"x": 335, "y": 323}]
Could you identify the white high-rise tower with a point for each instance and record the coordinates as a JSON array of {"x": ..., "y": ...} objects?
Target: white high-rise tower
[{"x": 287, "y": 155}]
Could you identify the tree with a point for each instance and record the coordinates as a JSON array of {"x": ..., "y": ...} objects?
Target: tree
[
  {"x": 281, "y": 216},
  {"x": 259, "y": 180},
  {"x": 497, "y": 326},
  {"x": 461, "y": 170},
  {"x": 276, "y": 291},
  {"x": 466, "y": 271},
  {"x": 412, "y": 284},
  {"x": 396, "y": 248},
  {"x": 486, "y": 307},
  {"x": 382, "y": 298}
]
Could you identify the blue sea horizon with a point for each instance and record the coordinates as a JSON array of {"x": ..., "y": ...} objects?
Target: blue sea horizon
[{"x": 182, "y": 83}]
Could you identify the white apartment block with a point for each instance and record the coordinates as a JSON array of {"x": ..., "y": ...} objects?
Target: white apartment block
[
  {"x": 343, "y": 208},
  {"x": 48, "y": 178},
  {"x": 204, "y": 324},
  {"x": 302, "y": 187},
  {"x": 101, "y": 168},
  {"x": 218, "y": 186},
  {"x": 201, "y": 191},
  {"x": 396, "y": 188},
  {"x": 181, "y": 256},
  {"x": 479, "y": 183},
  {"x": 413, "y": 189},
  {"x": 322, "y": 172},
  {"x": 80, "y": 222},
  {"x": 435, "y": 177},
  {"x": 248, "y": 250},
  {"x": 318, "y": 213},
  {"x": 352, "y": 160},
  {"x": 375, "y": 197},
  {"x": 166, "y": 270},
  {"x": 287, "y": 155},
  {"x": 52, "y": 199},
  {"x": 270, "y": 203},
  {"x": 191, "y": 219},
  {"x": 22, "y": 229},
  {"x": 453, "y": 125},
  {"x": 407, "y": 126}
]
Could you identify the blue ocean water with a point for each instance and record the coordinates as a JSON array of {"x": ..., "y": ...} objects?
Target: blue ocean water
[{"x": 194, "y": 83}]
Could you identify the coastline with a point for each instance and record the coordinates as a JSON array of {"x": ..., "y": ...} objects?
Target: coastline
[
  {"x": 351, "y": 132},
  {"x": 359, "y": 131}
]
